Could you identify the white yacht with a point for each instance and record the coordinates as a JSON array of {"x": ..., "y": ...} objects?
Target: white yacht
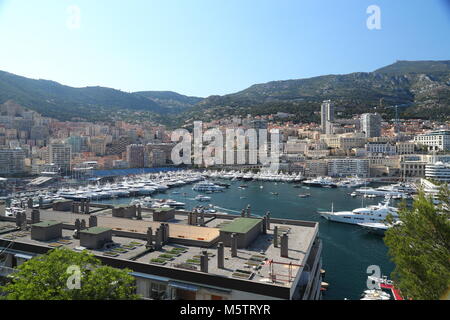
[
  {"x": 320, "y": 182},
  {"x": 351, "y": 183},
  {"x": 397, "y": 191},
  {"x": 169, "y": 202},
  {"x": 375, "y": 294},
  {"x": 373, "y": 213},
  {"x": 380, "y": 192},
  {"x": 202, "y": 198},
  {"x": 207, "y": 186}
]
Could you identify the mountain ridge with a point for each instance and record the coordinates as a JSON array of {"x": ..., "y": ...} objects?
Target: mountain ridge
[{"x": 422, "y": 86}]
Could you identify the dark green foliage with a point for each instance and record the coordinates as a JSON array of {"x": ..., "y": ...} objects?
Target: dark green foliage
[
  {"x": 420, "y": 248},
  {"x": 65, "y": 103},
  {"x": 45, "y": 278}
]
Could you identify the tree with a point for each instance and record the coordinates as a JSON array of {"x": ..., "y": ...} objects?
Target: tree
[
  {"x": 420, "y": 247},
  {"x": 54, "y": 276}
]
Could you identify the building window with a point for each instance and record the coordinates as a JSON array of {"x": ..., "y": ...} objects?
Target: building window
[{"x": 157, "y": 291}]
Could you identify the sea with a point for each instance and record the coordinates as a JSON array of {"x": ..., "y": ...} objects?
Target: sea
[{"x": 348, "y": 250}]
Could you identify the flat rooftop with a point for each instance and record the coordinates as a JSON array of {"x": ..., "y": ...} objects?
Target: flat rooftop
[
  {"x": 240, "y": 225},
  {"x": 47, "y": 223},
  {"x": 250, "y": 263},
  {"x": 95, "y": 230}
]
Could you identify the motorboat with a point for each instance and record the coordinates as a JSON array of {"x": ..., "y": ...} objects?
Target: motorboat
[
  {"x": 375, "y": 294},
  {"x": 202, "y": 198},
  {"x": 304, "y": 195}
]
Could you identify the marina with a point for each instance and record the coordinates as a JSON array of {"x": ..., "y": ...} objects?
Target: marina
[{"x": 348, "y": 249}]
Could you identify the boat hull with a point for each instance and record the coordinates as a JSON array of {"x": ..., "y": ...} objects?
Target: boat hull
[
  {"x": 319, "y": 185},
  {"x": 347, "y": 218}
]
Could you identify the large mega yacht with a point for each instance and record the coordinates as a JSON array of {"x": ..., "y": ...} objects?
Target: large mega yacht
[
  {"x": 373, "y": 213},
  {"x": 207, "y": 186},
  {"x": 399, "y": 190},
  {"x": 320, "y": 182}
]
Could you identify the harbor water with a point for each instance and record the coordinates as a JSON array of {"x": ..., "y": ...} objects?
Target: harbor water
[{"x": 348, "y": 250}]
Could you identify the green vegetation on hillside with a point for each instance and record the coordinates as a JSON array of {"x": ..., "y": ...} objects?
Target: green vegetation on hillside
[{"x": 422, "y": 88}]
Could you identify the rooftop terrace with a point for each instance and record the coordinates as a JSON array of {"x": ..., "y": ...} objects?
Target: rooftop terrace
[{"x": 180, "y": 256}]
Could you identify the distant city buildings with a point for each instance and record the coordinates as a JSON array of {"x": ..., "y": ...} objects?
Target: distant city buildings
[
  {"x": 60, "y": 154},
  {"x": 438, "y": 171},
  {"x": 136, "y": 156},
  {"x": 371, "y": 124},
  {"x": 12, "y": 161},
  {"x": 435, "y": 140},
  {"x": 327, "y": 116},
  {"x": 348, "y": 167},
  {"x": 361, "y": 145}
]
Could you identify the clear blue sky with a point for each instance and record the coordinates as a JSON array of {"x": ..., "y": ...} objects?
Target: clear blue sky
[{"x": 206, "y": 47}]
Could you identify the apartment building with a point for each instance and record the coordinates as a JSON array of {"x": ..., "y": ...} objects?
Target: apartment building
[
  {"x": 381, "y": 147},
  {"x": 12, "y": 161},
  {"x": 371, "y": 124},
  {"x": 348, "y": 167},
  {"x": 405, "y": 148},
  {"x": 435, "y": 140},
  {"x": 136, "y": 157},
  {"x": 60, "y": 154},
  {"x": 438, "y": 171}
]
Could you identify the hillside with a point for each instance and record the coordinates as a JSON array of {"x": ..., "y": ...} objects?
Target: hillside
[
  {"x": 170, "y": 100},
  {"x": 423, "y": 87},
  {"x": 63, "y": 102}
]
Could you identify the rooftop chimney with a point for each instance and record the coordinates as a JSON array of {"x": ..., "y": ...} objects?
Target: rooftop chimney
[
  {"x": 284, "y": 245},
  {"x": 139, "y": 212},
  {"x": 83, "y": 224},
  {"x": 167, "y": 232},
  {"x": 77, "y": 228},
  {"x": 268, "y": 220},
  {"x": 149, "y": 237},
  {"x": 275, "y": 236},
  {"x": 20, "y": 220},
  {"x": 158, "y": 239},
  {"x": 243, "y": 213},
  {"x": 264, "y": 225},
  {"x": 82, "y": 206},
  {"x": 30, "y": 203},
  {"x": 204, "y": 262},
  {"x": 234, "y": 245},
  {"x": 164, "y": 232},
  {"x": 220, "y": 255},
  {"x": 35, "y": 216},
  {"x": 86, "y": 207},
  {"x": 92, "y": 221}
]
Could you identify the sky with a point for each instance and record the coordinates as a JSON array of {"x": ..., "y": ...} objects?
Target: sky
[{"x": 213, "y": 47}]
